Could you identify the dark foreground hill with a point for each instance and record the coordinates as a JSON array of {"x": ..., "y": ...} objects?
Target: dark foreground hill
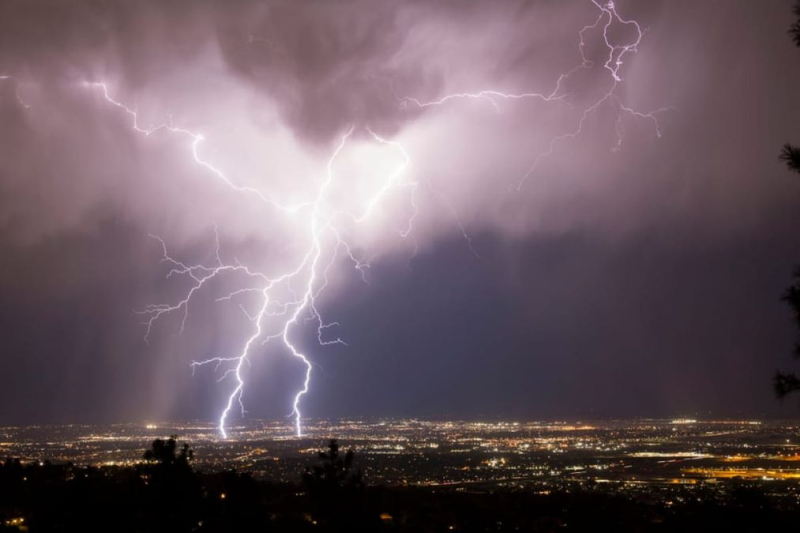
[{"x": 165, "y": 493}]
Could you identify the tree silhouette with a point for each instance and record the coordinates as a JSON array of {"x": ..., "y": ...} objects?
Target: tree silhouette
[
  {"x": 785, "y": 384},
  {"x": 334, "y": 471},
  {"x": 791, "y": 155},
  {"x": 172, "y": 491},
  {"x": 338, "y": 499},
  {"x": 165, "y": 453},
  {"x": 795, "y": 29}
]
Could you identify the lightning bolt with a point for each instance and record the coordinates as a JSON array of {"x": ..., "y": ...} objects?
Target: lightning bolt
[
  {"x": 616, "y": 53},
  {"x": 282, "y": 307},
  {"x": 311, "y": 270}
]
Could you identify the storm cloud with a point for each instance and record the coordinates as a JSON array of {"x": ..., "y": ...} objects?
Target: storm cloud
[{"x": 635, "y": 270}]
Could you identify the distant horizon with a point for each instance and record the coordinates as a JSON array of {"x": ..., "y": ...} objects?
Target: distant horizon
[{"x": 489, "y": 420}]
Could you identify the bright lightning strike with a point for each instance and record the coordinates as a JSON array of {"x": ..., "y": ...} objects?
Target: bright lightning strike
[
  {"x": 606, "y": 18},
  {"x": 311, "y": 271},
  {"x": 289, "y": 297}
]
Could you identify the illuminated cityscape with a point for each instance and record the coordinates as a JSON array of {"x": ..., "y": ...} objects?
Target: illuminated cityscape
[{"x": 668, "y": 459}]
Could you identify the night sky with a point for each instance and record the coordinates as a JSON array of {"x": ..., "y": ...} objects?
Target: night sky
[{"x": 629, "y": 274}]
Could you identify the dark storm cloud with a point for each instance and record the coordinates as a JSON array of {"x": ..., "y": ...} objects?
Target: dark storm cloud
[
  {"x": 637, "y": 281},
  {"x": 327, "y": 64}
]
